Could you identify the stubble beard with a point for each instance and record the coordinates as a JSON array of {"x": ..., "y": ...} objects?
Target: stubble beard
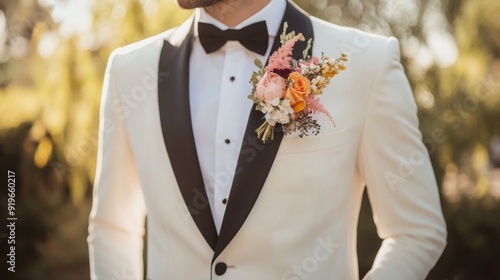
[{"x": 191, "y": 4}]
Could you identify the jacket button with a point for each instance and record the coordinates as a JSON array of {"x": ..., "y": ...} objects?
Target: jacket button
[{"x": 220, "y": 268}]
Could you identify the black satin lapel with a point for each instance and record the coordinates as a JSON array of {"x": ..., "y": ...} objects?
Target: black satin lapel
[
  {"x": 173, "y": 99},
  {"x": 256, "y": 159}
]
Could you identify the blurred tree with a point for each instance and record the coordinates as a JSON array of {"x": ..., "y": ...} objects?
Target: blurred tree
[
  {"x": 467, "y": 94},
  {"x": 52, "y": 58},
  {"x": 466, "y": 104},
  {"x": 17, "y": 22}
]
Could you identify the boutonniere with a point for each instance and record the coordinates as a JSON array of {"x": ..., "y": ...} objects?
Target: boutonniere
[{"x": 286, "y": 91}]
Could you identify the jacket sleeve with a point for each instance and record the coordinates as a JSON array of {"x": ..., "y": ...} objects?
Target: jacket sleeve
[
  {"x": 116, "y": 223},
  {"x": 400, "y": 181}
]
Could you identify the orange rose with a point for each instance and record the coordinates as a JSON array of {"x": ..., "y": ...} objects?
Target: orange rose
[{"x": 299, "y": 88}]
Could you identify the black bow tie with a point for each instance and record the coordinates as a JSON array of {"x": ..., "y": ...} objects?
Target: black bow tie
[{"x": 253, "y": 37}]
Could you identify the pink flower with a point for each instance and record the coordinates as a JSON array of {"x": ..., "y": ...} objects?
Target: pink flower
[
  {"x": 271, "y": 86},
  {"x": 313, "y": 106},
  {"x": 313, "y": 60},
  {"x": 281, "y": 58}
]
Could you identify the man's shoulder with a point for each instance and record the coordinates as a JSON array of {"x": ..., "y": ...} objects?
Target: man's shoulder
[
  {"x": 150, "y": 46},
  {"x": 343, "y": 32},
  {"x": 348, "y": 39},
  {"x": 140, "y": 49},
  {"x": 144, "y": 44}
]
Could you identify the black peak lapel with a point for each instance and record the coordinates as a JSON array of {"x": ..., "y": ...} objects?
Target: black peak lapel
[
  {"x": 255, "y": 159},
  {"x": 175, "y": 116}
]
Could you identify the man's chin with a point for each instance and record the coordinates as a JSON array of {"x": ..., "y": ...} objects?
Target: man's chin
[{"x": 191, "y": 4}]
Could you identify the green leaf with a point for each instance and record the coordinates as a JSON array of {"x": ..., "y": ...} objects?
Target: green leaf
[
  {"x": 306, "y": 50},
  {"x": 258, "y": 63},
  {"x": 283, "y": 38}
]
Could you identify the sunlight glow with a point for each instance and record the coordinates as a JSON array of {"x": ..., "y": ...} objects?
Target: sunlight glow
[
  {"x": 73, "y": 16},
  {"x": 43, "y": 152},
  {"x": 48, "y": 44}
]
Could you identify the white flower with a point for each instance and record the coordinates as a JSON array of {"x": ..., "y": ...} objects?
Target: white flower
[
  {"x": 277, "y": 111},
  {"x": 314, "y": 88},
  {"x": 270, "y": 120},
  {"x": 266, "y": 107},
  {"x": 284, "y": 119},
  {"x": 275, "y": 102},
  {"x": 317, "y": 80},
  {"x": 286, "y": 103}
]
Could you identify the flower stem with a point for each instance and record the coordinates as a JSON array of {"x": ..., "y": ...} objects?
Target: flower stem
[{"x": 265, "y": 131}]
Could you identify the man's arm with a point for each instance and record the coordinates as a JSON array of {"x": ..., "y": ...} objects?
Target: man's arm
[
  {"x": 399, "y": 178},
  {"x": 116, "y": 225}
]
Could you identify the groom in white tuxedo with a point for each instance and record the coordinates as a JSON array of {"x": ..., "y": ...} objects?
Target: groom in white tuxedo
[{"x": 178, "y": 144}]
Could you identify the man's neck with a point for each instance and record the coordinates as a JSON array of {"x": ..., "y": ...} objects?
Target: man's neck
[{"x": 233, "y": 12}]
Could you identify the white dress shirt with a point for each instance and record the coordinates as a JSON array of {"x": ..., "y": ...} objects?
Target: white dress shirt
[{"x": 218, "y": 89}]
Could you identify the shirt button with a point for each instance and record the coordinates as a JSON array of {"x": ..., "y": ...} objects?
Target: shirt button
[
  {"x": 224, "y": 201},
  {"x": 232, "y": 78},
  {"x": 227, "y": 141}
]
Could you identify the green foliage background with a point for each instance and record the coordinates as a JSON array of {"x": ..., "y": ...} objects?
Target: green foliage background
[{"x": 50, "y": 83}]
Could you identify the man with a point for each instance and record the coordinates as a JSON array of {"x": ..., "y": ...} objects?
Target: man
[{"x": 178, "y": 142}]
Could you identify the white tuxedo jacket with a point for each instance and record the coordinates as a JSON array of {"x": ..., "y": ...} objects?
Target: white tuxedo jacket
[{"x": 294, "y": 203}]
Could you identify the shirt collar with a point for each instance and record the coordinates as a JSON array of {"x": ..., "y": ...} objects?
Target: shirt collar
[{"x": 272, "y": 14}]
